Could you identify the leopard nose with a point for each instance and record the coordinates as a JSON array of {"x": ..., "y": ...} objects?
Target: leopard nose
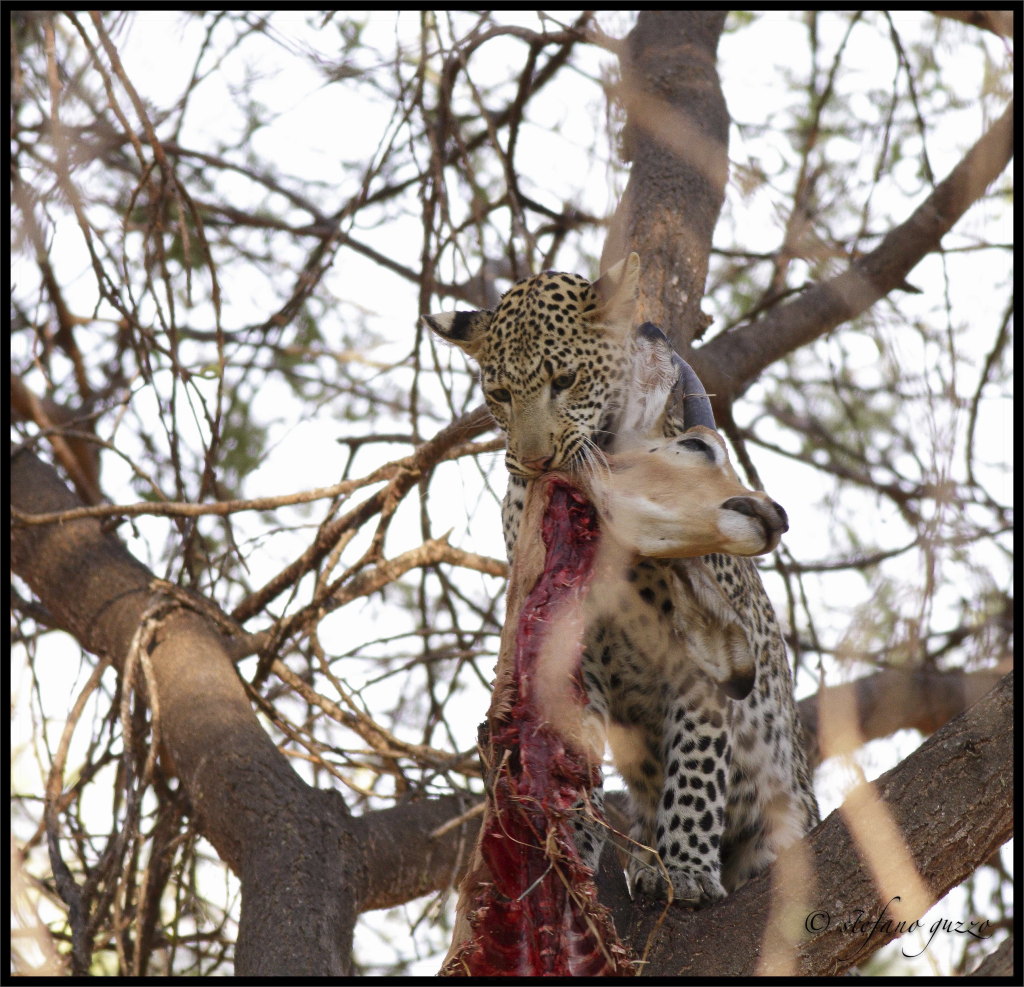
[{"x": 539, "y": 463}]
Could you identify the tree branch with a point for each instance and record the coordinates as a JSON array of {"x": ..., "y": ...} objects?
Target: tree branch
[
  {"x": 307, "y": 868},
  {"x": 414, "y": 851},
  {"x": 271, "y": 828},
  {"x": 951, "y": 802},
  {"x": 921, "y": 699},
  {"x": 999, "y": 22},
  {"x": 731, "y": 361},
  {"x": 405, "y": 474},
  {"x": 676, "y": 136},
  {"x": 884, "y": 703}
]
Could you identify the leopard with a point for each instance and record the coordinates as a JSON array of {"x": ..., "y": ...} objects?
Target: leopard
[{"x": 683, "y": 659}]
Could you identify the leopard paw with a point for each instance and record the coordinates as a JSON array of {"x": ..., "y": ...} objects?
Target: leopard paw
[{"x": 693, "y": 889}]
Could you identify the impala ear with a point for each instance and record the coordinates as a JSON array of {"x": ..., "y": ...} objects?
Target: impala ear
[
  {"x": 464, "y": 329},
  {"x": 617, "y": 291}
]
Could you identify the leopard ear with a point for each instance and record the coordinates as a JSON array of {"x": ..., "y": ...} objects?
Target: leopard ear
[
  {"x": 465, "y": 329},
  {"x": 617, "y": 290}
]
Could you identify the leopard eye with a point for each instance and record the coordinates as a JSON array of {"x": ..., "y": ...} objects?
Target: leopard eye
[
  {"x": 500, "y": 394},
  {"x": 563, "y": 381}
]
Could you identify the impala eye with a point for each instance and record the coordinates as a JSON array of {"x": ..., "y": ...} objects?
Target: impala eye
[
  {"x": 500, "y": 394},
  {"x": 563, "y": 381},
  {"x": 698, "y": 445}
]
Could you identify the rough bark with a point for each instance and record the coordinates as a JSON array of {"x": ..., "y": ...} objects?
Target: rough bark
[
  {"x": 410, "y": 857},
  {"x": 676, "y": 137}
]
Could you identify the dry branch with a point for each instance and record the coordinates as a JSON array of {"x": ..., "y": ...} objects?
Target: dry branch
[
  {"x": 307, "y": 867},
  {"x": 729, "y": 362},
  {"x": 404, "y": 475}
]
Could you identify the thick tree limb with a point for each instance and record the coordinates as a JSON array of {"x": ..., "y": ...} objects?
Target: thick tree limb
[
  {"x": 307, "y": 868},
  {"x": 273, "y": 830},
  {"x": 919, "y": 699},
  {"x": 732, "y": 360},
  {"x": 999, "y": 22},
  {"x": 884, "y": 703},
  {"x": 676, "y": 136},
  {"x": 999, "y": 963},
  {"x": 79, "y": 457},
  {"x": 411, "y": 857},
  {"x": 952, "y": 804},
  {"x": 974, "y": 817}
]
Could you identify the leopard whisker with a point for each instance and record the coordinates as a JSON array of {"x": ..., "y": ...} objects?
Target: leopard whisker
[{"x": 590, "y": 461}]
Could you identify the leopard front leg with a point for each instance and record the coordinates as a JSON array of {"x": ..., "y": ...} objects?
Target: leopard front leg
[
  {"x": 689, "y": 818},
  {"x": 589, "y": 828}
]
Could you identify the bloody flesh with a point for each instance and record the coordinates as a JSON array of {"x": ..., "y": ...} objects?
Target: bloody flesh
[{"x": 538, "y": 914}]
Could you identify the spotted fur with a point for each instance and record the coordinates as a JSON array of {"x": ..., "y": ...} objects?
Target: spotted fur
[{"x": 714, "y": 765}]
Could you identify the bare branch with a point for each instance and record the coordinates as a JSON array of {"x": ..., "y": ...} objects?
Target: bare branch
[
  {"x": 728, "y": 363},
  {"x": 408, "y": 472}
]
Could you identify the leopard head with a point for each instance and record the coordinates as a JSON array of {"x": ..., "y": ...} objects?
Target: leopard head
[{"x": 553, "y": 356}]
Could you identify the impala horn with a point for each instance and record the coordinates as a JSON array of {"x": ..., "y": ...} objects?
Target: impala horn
[
  {"x": 687, "y": 398},
  {"x": 689, "y": 392}
]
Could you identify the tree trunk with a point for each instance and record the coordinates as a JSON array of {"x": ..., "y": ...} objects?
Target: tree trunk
[
  {"x": 294, "y": 848},
  {"x": 676, "y": 136}
]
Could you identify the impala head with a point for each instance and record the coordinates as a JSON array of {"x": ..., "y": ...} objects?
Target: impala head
[{"x": 679, "y": 497}]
